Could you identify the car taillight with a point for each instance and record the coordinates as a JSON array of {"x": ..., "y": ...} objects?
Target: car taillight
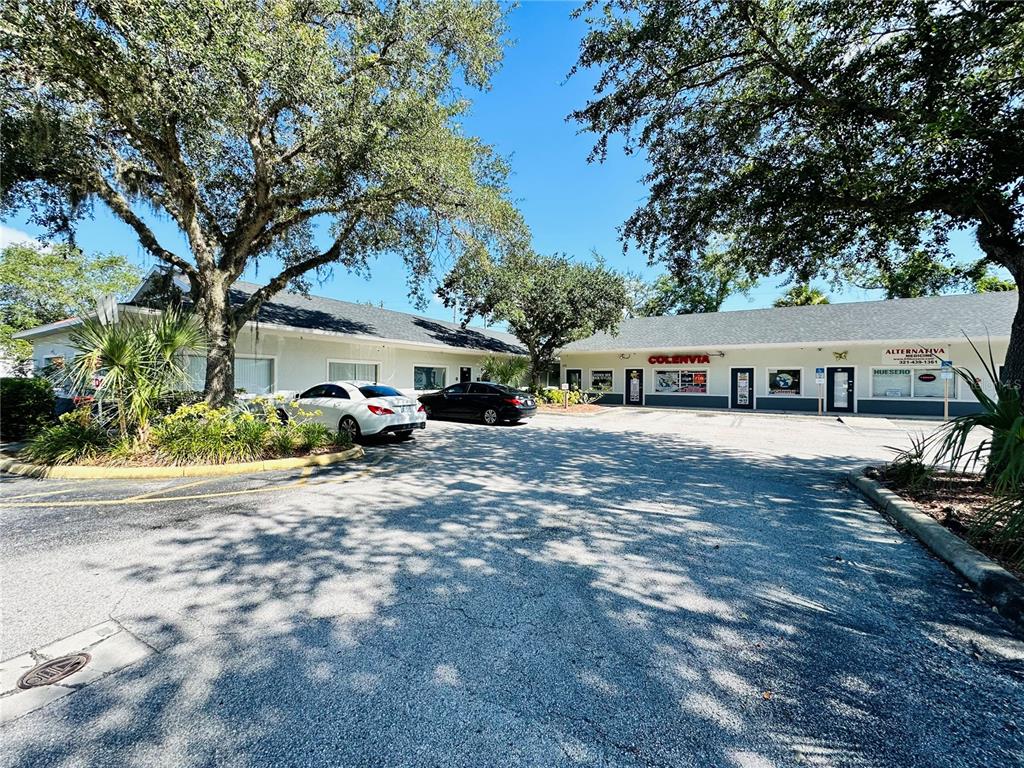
[
  {"x": 421, "y": 409},
  {"x": 513, "y": 401},
  {"x": 380, "y": 410}
]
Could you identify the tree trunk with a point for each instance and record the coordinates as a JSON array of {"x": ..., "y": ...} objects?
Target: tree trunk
[
  {"x": 535, "y": 367},
  {"x": 1001, "y": 244},
  {"x": 220, "y": 354},
  {"x": 1013, "y": 367}
]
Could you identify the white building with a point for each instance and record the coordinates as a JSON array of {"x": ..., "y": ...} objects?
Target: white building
[
  {"x": 875, "y": 357},
  {"x": 298, "y": 341}
]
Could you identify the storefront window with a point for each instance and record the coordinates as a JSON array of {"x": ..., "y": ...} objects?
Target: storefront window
[
  {"x": 784, "y": 381},
  {"x": 254, "y": 376},
  {"x": 601, "y": 381},
  {"x": 890, "y": 382},
  {"x": 681, "y": 381},
  {"x": 350, "y": 371},
  {"x": 928, "y": 383},
  {"x": 429, "y": 377}
]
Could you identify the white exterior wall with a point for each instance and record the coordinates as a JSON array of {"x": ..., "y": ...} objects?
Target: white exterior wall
[
  {"x": 862, "y": 357},
  {"x": 301, "y": 359}
]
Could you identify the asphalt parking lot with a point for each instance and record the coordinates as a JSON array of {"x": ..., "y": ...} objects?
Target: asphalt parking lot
[{"x": 636, "y": 589}]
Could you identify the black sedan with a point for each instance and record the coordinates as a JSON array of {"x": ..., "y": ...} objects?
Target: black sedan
[{"x": 490, "y": 403}]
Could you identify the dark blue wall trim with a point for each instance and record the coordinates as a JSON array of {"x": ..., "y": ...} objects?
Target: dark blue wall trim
[
  {"x": 908, "y": 407},
  {"x": 688, "y": 401},
  {"x": 610, "y": 398},
  {"x": 787, "y": 404}
]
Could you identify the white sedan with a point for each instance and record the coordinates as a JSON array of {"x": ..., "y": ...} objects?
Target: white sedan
[{"x": 360, "y": 408}]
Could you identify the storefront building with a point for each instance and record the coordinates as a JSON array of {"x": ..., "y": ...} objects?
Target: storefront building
[
  {"x": 880, "y": 357},
  {"x": 299, "y": 341}
]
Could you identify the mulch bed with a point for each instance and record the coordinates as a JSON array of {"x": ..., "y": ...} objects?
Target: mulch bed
[
  {"x": 579, "y": 408},
  {"x": 955, "y": 501}
]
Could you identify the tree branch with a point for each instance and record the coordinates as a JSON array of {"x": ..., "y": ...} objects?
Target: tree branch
[
  {"x": 123, "y": 210},
  {"x": 252, "y": 304}
]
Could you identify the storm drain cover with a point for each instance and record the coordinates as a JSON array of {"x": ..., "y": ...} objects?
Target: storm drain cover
[{"x": 54, "y": 670}]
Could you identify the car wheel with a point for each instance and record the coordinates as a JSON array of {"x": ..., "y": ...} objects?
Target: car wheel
[
  {"x": 490, "y": 417},
  {"x": 282, "y": 416},
  {"x": 404, "y": 435},
  {"x": 350, "y": 427}
]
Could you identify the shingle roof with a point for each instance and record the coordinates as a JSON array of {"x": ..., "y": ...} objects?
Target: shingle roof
[
  {"x": 929, "y": 318},
  {"x": 319, "y": 313}
]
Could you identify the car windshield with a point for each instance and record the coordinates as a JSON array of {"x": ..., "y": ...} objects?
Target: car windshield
[{"x": 379, "y": 391}]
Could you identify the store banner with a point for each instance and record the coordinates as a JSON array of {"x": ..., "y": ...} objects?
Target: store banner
[{"x": 904, "y": 356}]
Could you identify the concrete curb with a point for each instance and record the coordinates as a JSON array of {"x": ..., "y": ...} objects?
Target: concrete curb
[
  {"x": 15, "y": 467},
  {"x": 997, "y": 585}
]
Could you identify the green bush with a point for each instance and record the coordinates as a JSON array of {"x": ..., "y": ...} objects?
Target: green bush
[
  {"x": 557, "y": 396},
  {"x": 200, "y": 433},
  {"x": 312, "y": 435},
  {"x": 26, "y": 406},
  {"x": 74, "y": 437},
  {"x": 999, "y": 455},
  {"x": 172, "y": 401}
]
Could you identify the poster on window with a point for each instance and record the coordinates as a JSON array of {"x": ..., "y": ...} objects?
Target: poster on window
[
  {"x": 666, "y": 381},
  {"x": 695, "y": 382},
  {"x": 784, "y": 381},
  {"x": 676, "y": 381},
  {"x": 601, "y": 381},
  {"x": 742, "y": 388}
]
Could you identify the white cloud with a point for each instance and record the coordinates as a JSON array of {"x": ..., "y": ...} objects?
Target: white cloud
[{"x": 12, "y": 236}]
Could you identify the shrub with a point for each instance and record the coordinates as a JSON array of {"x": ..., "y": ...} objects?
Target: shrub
[
  {"x": 509, "y": 370},
  {"x": 172, "y": 401},
  {"x": 283, "y": 439},
  {"x": 312, "y": 435},
  {"x": 910, "y": 469},
  {"x": 26, "y": 406},
  {"x": 558, "y": 396},
  {"x": 999, "y": 455},
  {"x": 200, "y": 433},
  {"x": 74, "y": 437},
  {"x": 341, "y": 440},
  {"x": 138, "y": 361}
]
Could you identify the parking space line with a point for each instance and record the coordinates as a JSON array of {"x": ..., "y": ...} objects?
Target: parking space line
[
  {"x": 161, "y": 491},
  {"x": 41, "y": 493}
]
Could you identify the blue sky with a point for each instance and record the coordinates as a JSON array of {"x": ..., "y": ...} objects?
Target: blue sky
[{"x": 570, "y": 205}]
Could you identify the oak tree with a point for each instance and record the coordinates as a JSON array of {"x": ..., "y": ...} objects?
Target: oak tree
[
  {"x": 307, "y": 134},
  {"x": 547, "y": 302},
  {"x": 819, "y": 134}
]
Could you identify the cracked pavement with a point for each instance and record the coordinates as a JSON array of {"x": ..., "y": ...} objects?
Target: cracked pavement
[{"x": 637, "y": 589}]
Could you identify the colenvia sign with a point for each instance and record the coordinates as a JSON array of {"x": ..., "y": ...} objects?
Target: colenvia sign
[
  {"x": 914, "y": 356},
  {"x": 679, "y": 359}
]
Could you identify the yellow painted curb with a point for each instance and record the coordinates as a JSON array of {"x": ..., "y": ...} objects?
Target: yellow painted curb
[{"x": 15, "y": 467}]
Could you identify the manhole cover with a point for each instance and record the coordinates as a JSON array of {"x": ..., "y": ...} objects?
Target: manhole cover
[{"x": 53, "y": 671}]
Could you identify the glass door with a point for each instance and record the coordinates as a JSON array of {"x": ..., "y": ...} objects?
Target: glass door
[{"x": 839, "y": 390}]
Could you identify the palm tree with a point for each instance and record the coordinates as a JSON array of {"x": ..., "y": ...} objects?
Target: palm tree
[
  {"x": 134, "y": 362},
  {"x": 510, "y": 371},
  {"x": 802, "y": 295}
]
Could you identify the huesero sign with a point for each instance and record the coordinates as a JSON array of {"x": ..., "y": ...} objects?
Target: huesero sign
[{"x": 914, "y": 355}]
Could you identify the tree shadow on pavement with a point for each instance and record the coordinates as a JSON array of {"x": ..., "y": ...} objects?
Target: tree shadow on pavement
[{"x": 550, "y": 597}]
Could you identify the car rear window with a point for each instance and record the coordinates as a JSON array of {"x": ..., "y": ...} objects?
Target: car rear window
[{"x": 379, "y": 391}]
